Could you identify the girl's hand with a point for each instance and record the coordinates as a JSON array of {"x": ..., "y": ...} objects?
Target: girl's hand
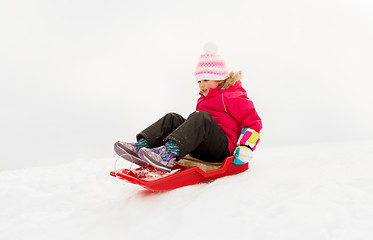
[{"x": 246, "y": 143}]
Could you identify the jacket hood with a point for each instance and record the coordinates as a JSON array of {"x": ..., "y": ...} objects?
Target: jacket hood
[{"x": 232, "y": 79}]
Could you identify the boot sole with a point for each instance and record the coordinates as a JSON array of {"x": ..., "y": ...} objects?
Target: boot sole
[{"x": 128, "y": 155}]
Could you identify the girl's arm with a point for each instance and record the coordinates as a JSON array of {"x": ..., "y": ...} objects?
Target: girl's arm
[{"x": 242, "y": 109}]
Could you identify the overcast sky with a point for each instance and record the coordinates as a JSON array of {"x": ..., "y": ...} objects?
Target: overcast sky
[{"x": 78, "y": 75}]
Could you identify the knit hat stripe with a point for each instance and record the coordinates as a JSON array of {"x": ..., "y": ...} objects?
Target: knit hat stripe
[
  {"x": 211, "y": 58},
  {"x": 211, "y": 72},
  {"x": 218, "y": 64}
]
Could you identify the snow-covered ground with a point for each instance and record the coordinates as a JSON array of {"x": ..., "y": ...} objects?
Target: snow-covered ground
[{"x": 322, "y": 191}]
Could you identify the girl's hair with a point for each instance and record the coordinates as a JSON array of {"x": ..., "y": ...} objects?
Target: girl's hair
[{"x": 233, "y": 77}]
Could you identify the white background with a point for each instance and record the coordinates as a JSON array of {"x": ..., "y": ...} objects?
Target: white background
[{"x": 78, "y": 75}]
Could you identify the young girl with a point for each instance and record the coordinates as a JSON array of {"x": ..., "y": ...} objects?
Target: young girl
[{"x": 225, "y": 122}]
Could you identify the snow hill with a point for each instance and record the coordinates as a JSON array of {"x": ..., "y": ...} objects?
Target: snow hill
[{"x": 323, "y": 191}]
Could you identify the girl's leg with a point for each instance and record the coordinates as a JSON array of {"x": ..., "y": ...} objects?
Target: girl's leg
[
  {"x": 201, "y": 137},
  {"x": 158, "y": 131},
  {"x": 151, "y": 137}
]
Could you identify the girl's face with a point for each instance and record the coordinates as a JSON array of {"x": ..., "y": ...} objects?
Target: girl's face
[{"x": 205, "y": 85}]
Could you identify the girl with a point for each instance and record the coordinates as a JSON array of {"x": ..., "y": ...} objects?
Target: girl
[{"x": 225, "y": 122}]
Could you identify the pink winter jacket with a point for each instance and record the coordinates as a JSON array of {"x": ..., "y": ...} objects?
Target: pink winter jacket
[{"x": 232, "y": 110}]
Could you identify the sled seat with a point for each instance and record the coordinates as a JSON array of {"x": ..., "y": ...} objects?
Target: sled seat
[{"x": 189, "y": 162}]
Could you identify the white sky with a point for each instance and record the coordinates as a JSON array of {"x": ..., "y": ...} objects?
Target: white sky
[{"x": 78, "y": 75}]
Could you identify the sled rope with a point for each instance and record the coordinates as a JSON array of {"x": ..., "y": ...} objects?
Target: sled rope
[{"x": 116, "y": 160}]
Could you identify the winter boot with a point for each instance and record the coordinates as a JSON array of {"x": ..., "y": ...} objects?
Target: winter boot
[
  {"x": 129, "y": 151},
  {"x": 162, "y": 157}
]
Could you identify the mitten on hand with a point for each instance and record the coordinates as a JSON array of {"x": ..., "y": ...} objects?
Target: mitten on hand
[{"x": 246, "y": 143}]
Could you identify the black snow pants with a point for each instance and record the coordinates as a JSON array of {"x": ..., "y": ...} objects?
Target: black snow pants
[{"x": 199, "y": 135}]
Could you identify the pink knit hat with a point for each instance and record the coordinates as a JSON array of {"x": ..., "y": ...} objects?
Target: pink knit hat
[{"x": 211, "y": 66}]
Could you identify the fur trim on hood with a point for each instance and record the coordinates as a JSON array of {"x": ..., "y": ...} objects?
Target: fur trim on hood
[{"x": 232, "y": 79}]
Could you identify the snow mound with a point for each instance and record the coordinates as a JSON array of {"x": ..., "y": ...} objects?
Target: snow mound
[{"x": 323, "y": 191}]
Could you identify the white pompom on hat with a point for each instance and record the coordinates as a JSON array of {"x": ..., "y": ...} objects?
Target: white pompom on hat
[{"x": 211, "y": 66}]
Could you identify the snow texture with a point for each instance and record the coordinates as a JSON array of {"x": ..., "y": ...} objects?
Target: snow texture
[{"x": 305, "y": 192}]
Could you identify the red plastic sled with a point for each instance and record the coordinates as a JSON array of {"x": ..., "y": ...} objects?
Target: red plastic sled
[{"x": 157, "y": 180}]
